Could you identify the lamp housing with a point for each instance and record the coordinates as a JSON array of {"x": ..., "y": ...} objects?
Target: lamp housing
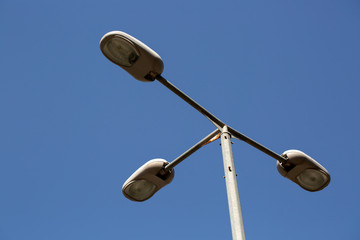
[
  {"x": 304, "y": 171},
  {"x": 143, "y": 63},
  {"x": 147, "y": 180}
]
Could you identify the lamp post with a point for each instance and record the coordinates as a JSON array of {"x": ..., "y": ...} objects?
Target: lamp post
[{"x": 146, "y": 65}]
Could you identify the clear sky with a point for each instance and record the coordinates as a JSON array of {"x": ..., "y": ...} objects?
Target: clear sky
[{"x": 74, "y": 126}]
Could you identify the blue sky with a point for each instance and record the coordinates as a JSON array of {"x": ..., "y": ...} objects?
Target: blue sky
[{"x": 74, "y": 126}]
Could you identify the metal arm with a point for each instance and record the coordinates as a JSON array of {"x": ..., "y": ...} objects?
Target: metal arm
[
  {"x": 193, "y": 149},
  {"x": 256, "y": 145},
  {"x": 217, "y": 122}
]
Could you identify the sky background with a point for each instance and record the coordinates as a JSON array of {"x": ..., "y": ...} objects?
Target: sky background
[{"x": 74, "y": 126}]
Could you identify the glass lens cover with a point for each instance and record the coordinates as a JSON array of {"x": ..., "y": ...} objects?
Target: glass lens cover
[
  {"x": 140, "y": 190},
  {"x": 121, "y": 51},
  {"x": 312, "y": 179}
]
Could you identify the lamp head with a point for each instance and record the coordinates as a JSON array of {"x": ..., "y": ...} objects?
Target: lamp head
[
  {"x": 147, "y": 180},
  {"x": 304, "y": 171},
  {"x": 133, "y": 56}
]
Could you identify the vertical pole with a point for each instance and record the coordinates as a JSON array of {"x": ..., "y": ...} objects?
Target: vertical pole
[{"x": 237, "y": 225}]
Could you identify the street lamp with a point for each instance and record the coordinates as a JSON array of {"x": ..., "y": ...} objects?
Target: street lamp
[
  {"x": 303, "y": 170},
  {"x": 132, "y": 55},
  {"x": 147, "y": 180},
  {"x": 146, "y": 65}
]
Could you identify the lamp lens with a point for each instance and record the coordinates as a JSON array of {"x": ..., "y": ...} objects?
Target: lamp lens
[
  {"x": 140, "y": 190},
  {"x": 121, "y": 51},
  {"x": 312, "y": 179}
]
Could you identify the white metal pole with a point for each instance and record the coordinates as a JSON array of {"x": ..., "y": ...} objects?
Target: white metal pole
[{"x": 237, "y": 225}]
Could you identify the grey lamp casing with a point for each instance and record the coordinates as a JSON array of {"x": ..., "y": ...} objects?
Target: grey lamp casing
[
  {"x": 297, "y": 163},
  {"x": 152, "y": 172},
  {"x": 148, "y": 64}
]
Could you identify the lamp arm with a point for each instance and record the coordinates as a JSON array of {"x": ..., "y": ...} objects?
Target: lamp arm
[
  {"x": 191, "y": 150},
  {"x": 217, "y": 122},
  {"x": 236, "y": 134}
]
